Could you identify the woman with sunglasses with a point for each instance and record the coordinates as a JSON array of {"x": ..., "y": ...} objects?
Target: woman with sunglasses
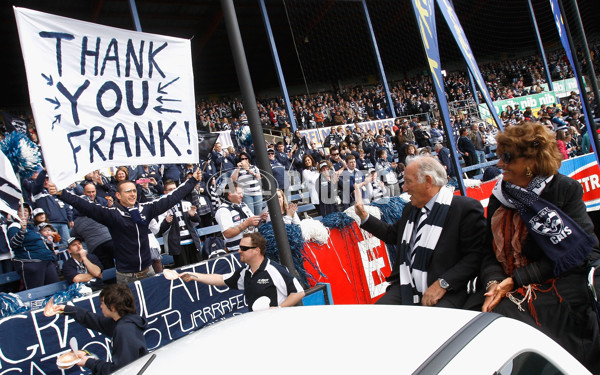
[
  {"x": 540, "y": 242},
  {"x": 247, "y": 176}
]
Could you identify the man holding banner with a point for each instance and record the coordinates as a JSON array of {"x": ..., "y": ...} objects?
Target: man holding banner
[{"x": 128, "y": 222}]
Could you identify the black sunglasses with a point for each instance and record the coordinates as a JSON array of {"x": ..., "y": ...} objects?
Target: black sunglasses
[
  {"x": 507, "y": 157},
  {"x": 243, "y": 158},
  {"x": 246, "y": 248},
  {"x": 334, "y": 154}
]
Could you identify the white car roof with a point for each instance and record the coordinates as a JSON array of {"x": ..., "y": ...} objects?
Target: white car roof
[{"x": 345, "y": 338}]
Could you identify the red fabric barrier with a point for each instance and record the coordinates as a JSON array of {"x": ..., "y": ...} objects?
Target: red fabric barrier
[{"x": 355, "y": 264}]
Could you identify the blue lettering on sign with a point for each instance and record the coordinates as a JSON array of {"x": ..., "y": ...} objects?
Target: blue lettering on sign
[
  {"x": 72, "y": 98},
  {"x": 139, "y": 136},
  {"x": 94, "y": 142},
  {"x": 144, "y": 141},
  {"x": 111, "y": 55},
  {"x": 59, "y": 37}
]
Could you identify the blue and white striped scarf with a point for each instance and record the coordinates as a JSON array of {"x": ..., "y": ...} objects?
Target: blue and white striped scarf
[{"x": 413, "y": 265}]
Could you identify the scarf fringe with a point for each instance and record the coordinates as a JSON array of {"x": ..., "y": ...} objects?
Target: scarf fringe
[{"x": 529, "y": 295}]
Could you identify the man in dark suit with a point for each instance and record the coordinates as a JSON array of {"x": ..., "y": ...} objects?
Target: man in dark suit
[{"x": 438, "y": 251}]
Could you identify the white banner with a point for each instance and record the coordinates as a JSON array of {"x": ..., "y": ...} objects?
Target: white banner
[{"x": 103, "y": 96}]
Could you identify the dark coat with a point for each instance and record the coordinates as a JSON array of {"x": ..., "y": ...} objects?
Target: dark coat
[{"x": 457, "y": 255}]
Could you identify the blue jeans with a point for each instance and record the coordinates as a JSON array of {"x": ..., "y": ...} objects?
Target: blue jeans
[
  {"x": 480, "y": 158},
  {"x": 254, "y": 202}
]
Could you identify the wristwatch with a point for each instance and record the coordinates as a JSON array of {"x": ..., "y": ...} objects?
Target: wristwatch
[{"x": 444, "y": 284}]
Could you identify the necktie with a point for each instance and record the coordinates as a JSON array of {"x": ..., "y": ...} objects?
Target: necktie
[{"x": 418, "y": 232}]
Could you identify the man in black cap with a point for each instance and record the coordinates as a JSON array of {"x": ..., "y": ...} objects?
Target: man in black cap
[{"x": 82, "y": 267}]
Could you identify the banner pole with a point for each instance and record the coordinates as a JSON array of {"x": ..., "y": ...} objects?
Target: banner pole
[
  {"x": 277, "y": 62},
  {"x": 540, "y": 45},
  {"x": 378, "y": 59},
  {"x": 135, "y": 16},
  {"x": 258, "y": 137},
  {"x": 425, "y": 17}
]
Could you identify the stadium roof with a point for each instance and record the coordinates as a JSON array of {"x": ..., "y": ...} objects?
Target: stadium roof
[{"x": 318, "y": 40}]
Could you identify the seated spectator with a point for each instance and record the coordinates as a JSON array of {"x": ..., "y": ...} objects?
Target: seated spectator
[
  {"x": 421, "y": 136},
  {"x": 82, "y": 267},
  {"x": 49, "y": 235}
]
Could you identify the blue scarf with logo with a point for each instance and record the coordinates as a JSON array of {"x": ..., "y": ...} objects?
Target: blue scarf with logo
[{"x": 557, "y": 235}]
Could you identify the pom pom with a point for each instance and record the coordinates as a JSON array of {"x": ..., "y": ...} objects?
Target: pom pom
[
  {"x": 74, "y": 290},
  {"x": 337, "y": 220},
  {"x": 391, "y": 208},
  {"x": 11, "y": 304},
  {"x": 314, "y": 231},
  {"x": 244, "y": 136},
  {"x": 23, "y": 154}
]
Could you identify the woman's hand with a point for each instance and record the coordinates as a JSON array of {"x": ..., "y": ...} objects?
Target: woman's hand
[
  {"x": 496, "y": 292},
  {"x": 292, "y": 208}
]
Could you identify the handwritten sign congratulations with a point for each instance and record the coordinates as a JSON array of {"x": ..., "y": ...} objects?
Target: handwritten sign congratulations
[{"x": 103, "y": 96}]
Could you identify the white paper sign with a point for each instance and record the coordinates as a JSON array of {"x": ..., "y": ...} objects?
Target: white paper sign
[{"x": 103, "y": 96}]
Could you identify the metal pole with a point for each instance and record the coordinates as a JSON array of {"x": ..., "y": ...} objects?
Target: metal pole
[
  {"x": 280, "y": 77},
  {"x": 540, "y": 45},
  {"x": 586, "y": 102},
  {"x": 258, "y": 138},
  {"x": 134, "y": 15},
  {"x": 588, "y": 58},
  {"x": 378, "y": 58}
]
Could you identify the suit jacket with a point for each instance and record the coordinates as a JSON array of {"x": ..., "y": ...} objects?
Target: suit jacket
[{"x": 458, "y": 253}]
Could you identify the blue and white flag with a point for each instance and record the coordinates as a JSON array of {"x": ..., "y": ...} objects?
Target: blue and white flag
[
  {"x": 425, "y": 13},
  {"x": 465, "y": 49},
  {"x": 10, "y": 188}
]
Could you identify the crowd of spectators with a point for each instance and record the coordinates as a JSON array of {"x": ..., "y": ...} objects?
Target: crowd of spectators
[{"x": 412, "y": 96}]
